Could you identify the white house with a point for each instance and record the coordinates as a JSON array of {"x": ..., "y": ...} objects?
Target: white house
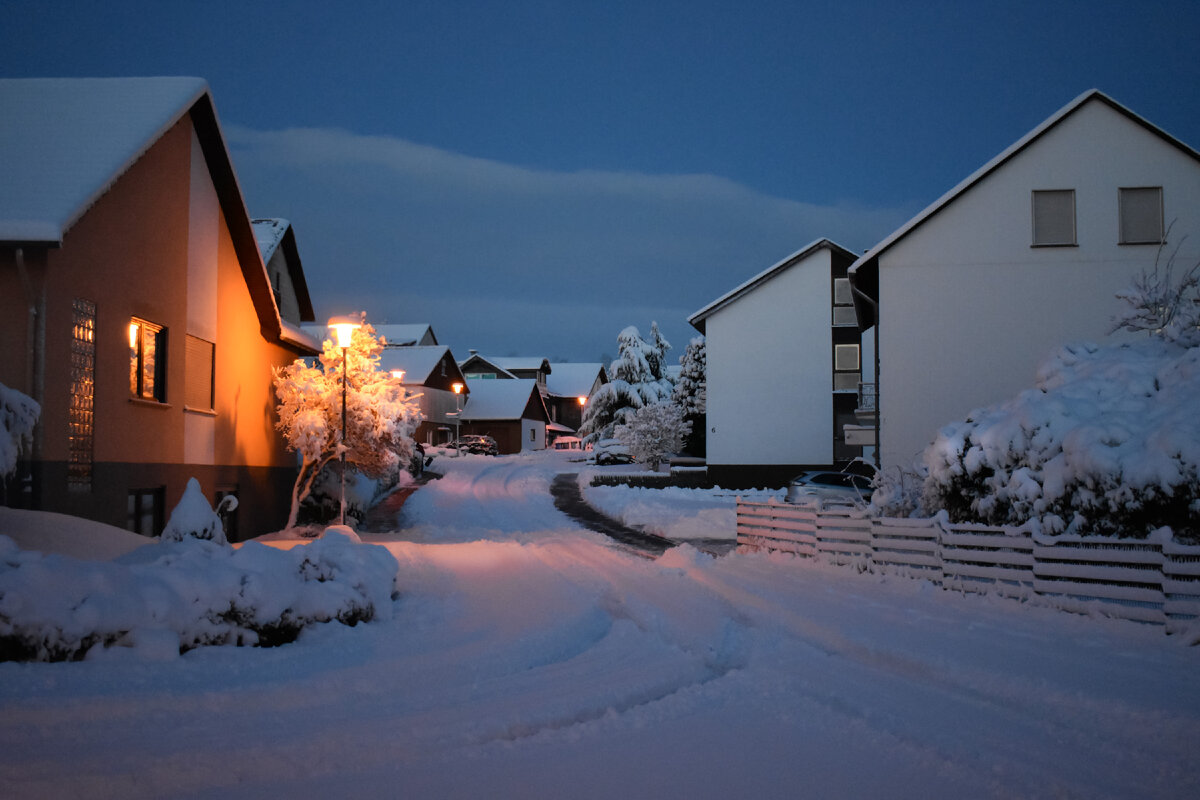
[
  {"x": 1023, "y": 256},
  {"x": 784, "y": 365}
]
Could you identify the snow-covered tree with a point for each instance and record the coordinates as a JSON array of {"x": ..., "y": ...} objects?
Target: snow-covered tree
[
  {"x": 379, "y": 418},
  {"x": 691, "y": 392},
  {"x": 1159, "y": 303},
  {"x": 194, "y": 518},
  {"x": 636, "y": 378},
  {"x": 653, "y": 432},
  {"x": 18, "y": 416}
]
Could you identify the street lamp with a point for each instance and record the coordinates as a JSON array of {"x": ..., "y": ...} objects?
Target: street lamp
[
  {"x": 343, "y": 329},
  {"x": 457, "y": 387}
]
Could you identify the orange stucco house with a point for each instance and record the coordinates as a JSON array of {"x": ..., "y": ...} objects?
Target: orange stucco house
[{"x": 136, "y": 307}]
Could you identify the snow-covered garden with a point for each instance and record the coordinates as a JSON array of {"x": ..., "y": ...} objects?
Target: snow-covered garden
[{"x": 523, "y": 656}]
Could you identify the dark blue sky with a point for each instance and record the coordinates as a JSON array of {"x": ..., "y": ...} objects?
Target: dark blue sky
[{"x": 531, "y": 177}]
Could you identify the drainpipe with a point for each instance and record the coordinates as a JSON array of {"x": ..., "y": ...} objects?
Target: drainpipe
[
  {"x": 875, "y": 307},
  {"x": 35, "y": 338}
]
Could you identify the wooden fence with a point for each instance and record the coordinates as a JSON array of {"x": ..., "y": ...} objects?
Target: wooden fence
[{"x": 1155, "y": 581}]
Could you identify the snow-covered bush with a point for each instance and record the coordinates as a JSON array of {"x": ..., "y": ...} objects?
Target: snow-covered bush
[
  {"x": 636, "y": 378},
  {"x": 653, "y": 432},
  {"x": 18, "y": 416},
  {"x": 380, "y": 418},
  {"x": 1107, "y": 444},
  {"x": 193, "y": 517},
  {"x": 55, "y": 608}
]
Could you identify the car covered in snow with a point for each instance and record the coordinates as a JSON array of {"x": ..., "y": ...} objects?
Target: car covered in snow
[
  {"x": 474, "y": 443},
  {"x": 611, "y": 451},
  {"x": 846, "y": 487}
]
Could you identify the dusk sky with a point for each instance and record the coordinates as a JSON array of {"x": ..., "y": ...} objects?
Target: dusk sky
[{"x": 532, "y": 177}]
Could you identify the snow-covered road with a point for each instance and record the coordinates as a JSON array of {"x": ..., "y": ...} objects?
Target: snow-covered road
[{"x": 527, "y": 658}]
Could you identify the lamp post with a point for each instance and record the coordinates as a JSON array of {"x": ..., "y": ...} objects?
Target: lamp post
[
  {"x": 457, "y": 387},
  {"x": 343, "y": 328}
]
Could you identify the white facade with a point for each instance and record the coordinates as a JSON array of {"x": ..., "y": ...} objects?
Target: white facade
[
  {"x": 770, "y": 365},
  {"x": 968, "y": 307}
]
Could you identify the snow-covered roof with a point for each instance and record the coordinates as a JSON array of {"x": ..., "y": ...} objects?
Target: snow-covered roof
[
  {"x": 499, "y": 400},
  {"x": 417, "y": 333},
  {"x": 488, "y": 362},
  {"x": 418, "y": 361},
  {"x": 297, "y": 335},
  {"x": 697, "y": 319},
  {"x": 574, "y": 379},
  {"x": 269, "y": 234},
  {"x": 1017, "y": 146},
  {"x": 65, "y": 141}
]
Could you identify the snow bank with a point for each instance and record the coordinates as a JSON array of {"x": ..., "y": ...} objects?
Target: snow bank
[
  {"x": 674, "y": 512},
  {"x": 49, "y": 532},
  {"x": 56, "y": 608},
  {"x": 1107, "y": 444}
]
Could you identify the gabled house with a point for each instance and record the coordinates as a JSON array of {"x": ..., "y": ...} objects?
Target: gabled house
[
  {"x": 277, "y": 246},
  {"x": 1023, "y": 256},
  {"x": 569, "y": 386},
  {"x": 431, "y": 372},
  {"x": 783, "y": 369},
  {"x": 476, "y": 367},
  {"x": 510, "y": 411},
  {"x": 135, "y": 305},
  {"x": 414, "y": 334}
]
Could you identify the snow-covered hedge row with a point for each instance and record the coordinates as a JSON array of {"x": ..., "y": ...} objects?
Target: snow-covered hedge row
[
  {"x": 1107, "y": 444},
  {"x": 54, "y": 608}
]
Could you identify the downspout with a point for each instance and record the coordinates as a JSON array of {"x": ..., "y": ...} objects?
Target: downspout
[
  {"x": 35, "y": 339},
  {"x": 866, "y": 298}
]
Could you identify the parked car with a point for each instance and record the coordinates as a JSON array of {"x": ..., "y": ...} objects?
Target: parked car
[
  {"x": 474, "y": 443},
  {"x": 611, "y": 451},
  {"x": 830, "y": 487}
]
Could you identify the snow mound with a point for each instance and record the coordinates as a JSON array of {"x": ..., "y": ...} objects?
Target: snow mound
[
  {"x": 56, "y": 608},
  {"x": 193, "y": 517},
  {"x": 1107, "y": 444}
]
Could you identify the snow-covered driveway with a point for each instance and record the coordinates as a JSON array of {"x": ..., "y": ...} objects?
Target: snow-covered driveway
[{"x": 531, "y": 659}]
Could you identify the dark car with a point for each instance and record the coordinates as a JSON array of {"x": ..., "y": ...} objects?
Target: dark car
[
  {"x": 611, "y": 451},
  {"x": 480, "y": 445}
]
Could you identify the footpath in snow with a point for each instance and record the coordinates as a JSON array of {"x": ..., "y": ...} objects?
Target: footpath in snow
[{"x": 527, "y": 657}]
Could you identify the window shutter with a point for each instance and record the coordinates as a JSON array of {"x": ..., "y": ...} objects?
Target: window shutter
[
  {"x": 1141, "y": 215},
  {"x": 198, "y": 365},
  {"x": 1054, "y": 217}
]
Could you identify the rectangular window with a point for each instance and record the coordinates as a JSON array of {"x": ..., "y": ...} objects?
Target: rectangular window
[
  {"x": 1054, "y": 218},
  {"x": 844, "y": 316},
  {"x": 81, "y": 413},
  {"x": 845, "y": 357},
  {"x": 144, "y": 511},
  {"x": 841, "y": 292},
  {"x": 147, "y": 360},
  {"x": 845, "y": 381},
  {"x": 1141, "y": 215},
  {"x": 198, "y": 373}
]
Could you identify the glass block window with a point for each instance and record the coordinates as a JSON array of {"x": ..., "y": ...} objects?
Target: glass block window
[
  {"x": 81, "y": 412},
  {"x": 1141, "y": 215},
  {"x": 1054, "y": 218},
  {"x": 845, "y": 357}
]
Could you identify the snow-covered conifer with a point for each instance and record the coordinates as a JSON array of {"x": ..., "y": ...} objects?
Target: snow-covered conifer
[
  {"x": 636, "y": 378},
  {"x": 380, "y": 419},
  {"x": 194, "y": 518},
  {"x": 691, "y": 392}
]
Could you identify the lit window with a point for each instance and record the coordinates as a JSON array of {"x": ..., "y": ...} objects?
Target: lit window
[
  {"x": 147, "y": 360},
  {"x": 1054, "y": 218},
  {"x": 81, "y": 414},
  {"x": 1141, "y": 215}
]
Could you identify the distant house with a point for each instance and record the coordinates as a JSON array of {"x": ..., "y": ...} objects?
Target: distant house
[
  {"x": 136, "y": 307},
  {"x": 568, "y": 388},
  {"x": 510, "y": 411},
  {"x": 1023, "y": 256},
  {"x": 419, "y": 334},
  {"x": 476, "y": 367},
  {"x": 431, "y": 372},
  {"x": 783, "y": 369},
  {"x": 277, "y": 246}
]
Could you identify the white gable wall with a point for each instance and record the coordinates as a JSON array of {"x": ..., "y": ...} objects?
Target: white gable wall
[
  {"x": 770, "y": 371},
  {"x": 968, "y": 309}
]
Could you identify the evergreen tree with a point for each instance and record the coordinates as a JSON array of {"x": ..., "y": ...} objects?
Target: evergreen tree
[
  {"x": 691, "y": 393},
  {"x": 636, "y": 378}
]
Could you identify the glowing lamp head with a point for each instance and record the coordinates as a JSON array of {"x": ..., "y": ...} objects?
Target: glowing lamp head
[
  {"x": 398, "y": 374},
  {"x": 457, "y": 387},
  {"x": 343, "y": 329},
  {"x": 581, "y": 400}
]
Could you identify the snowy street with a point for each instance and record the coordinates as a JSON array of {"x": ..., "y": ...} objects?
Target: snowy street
[{"x": 528, "y": 658}]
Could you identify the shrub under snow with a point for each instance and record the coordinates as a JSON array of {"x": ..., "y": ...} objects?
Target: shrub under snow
[
  {"x": 1107, "y": 444},
  {"x": 55, "y": 608},
  {"x": 18, "y": 416}
]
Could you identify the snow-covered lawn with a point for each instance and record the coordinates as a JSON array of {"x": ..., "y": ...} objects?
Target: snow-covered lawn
[{"x": 527, "y": 658}]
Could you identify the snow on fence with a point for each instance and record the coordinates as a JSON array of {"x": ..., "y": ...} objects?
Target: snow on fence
[{"x": 1155, "y": 581}]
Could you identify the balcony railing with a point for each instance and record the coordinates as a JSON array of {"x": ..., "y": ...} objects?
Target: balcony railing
[{"x": 866, "y": 398}]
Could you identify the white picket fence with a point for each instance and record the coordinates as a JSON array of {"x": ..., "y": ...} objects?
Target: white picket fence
[{"x": 1156, "y": 581}]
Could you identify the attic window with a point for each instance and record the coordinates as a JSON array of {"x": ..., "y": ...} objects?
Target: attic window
[
  {"x": 1141, "y": 215},
  {"x": 1054, "y": 218}
]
